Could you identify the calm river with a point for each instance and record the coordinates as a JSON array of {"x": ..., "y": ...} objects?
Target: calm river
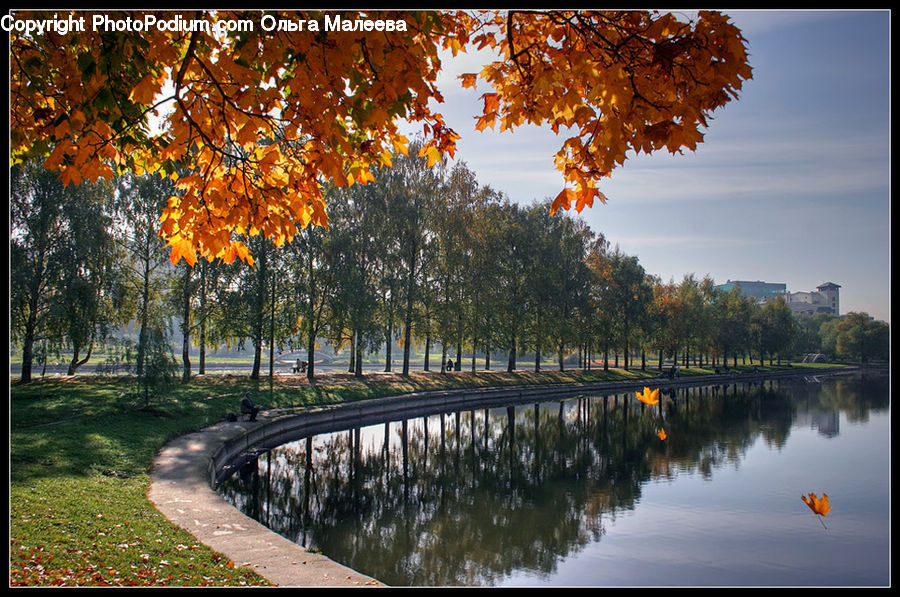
[{"x": 583, "y": 492}]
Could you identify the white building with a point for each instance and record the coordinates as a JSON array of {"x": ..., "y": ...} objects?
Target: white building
[{"x": 826, "y": 299}]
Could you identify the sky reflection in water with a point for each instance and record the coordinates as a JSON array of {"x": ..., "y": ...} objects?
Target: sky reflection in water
[{"x": 590, "y": 496}]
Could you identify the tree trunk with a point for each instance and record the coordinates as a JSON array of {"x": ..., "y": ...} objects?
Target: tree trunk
[
  {"x": 358, "y": 357},
  {"x": 389, "y": 340},
  {"x": 202, "y": 364},
  {"x": 272, "y": 332},
  {"x": 75, "y": 363},
  {"x": 511, "y": 364},
  {"x": 352, "y": 367},
  {"x": 257, "y": 331},
  {"x": 28, "y": 347},
  {"x": 407, "y": 324},
  {"x": 142, "y": 335},
  {"x": 186, "y": 326},
  {"x": 427, "y": 366},
  {"x": 311, "y": 353},
  {"x": 34, "y": 301}
]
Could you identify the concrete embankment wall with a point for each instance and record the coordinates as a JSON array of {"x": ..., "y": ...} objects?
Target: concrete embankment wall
[{"x": 279, "y": 427}]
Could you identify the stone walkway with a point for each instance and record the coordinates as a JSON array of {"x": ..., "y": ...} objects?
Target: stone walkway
[{"x": 181, "y": 491}]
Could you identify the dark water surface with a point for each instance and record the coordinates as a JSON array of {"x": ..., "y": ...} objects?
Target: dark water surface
[{"x": 582, "y": 492}]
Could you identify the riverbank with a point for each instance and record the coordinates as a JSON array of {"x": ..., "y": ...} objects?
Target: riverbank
[{"x": 82, "y": 451}]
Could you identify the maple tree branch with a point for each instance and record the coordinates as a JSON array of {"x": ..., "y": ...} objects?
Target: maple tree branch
[
  {"x": 229, "y": 101},
  {"x": 179, "y": 83},
  {"x": 514, "y": 56}
]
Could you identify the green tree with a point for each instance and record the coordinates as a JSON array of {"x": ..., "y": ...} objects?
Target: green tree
[
  {"x": 257, "y": 292},
  {"x": 36, "y": 247},
  {"x": 312, "y": 270},
  {"x": 573, "y": 240},
  {"x": 630, "y": 296},
  {"x": 486, "y": 236},
  {"x": 67, "y": 281},
  {"x": 138, "y": 202},
  {"x": 514, "y": 258},
  {"x": 184, "y": 286},
  {"x": 775, "y": 329},
  {"x": 732, "y": 323},
  {"x": 158, "y": 367},
  {"x": 692, "y": 303},
  {"x": 809, "y": 339},
  {"x": 455, "y": 265},
  {"x": 599, "y": 298},
  {"x": 354, "y": 237},
  {"x": 857, "y": 336},
  {"x": 412, "y": 193}
]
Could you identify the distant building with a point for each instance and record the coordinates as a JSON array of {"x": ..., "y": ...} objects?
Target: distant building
[
  {"x": 825, "y": 299},
  {"x": 761, "y": 291}
]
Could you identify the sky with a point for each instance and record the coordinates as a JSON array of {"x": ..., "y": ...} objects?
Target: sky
[{"x": 791, "y": 184}]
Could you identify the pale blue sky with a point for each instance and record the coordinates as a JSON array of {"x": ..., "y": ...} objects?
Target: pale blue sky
[{"x": 792, "y": 183}]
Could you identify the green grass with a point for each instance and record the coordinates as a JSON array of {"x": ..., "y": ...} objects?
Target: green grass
[
  {"x": 100, "y": 531},
  {"x": 82, "y": 449}
]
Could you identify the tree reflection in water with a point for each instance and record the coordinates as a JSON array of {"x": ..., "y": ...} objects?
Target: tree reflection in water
[{"x": 465, "y": 498}]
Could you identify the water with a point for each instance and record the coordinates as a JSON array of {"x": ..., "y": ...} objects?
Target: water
[{"x": 586, "y": 494}]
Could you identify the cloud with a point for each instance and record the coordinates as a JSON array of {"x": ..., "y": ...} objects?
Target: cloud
[
  {"x": 690, "y": 241},
  {"x": 758, "y": 22}
]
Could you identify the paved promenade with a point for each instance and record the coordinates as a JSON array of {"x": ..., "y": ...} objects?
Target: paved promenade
[{"x": 181, "y": 491}]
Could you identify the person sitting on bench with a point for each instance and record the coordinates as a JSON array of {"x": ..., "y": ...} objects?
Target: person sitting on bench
[{"x": 248, "y": 407}]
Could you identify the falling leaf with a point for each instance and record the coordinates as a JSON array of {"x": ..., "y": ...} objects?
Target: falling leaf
[
  {"x": 662, "y": 434},
  {"x": 648, "y": 397},
  {"x": 818, "y": 506}
]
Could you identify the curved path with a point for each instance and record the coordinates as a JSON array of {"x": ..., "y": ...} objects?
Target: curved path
[
  {"x": 185, "y": 469},
  {"x": 181, "y": 490}
]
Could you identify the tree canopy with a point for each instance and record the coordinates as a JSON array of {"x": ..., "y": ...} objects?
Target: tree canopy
[{"x": 259, "y": 117}]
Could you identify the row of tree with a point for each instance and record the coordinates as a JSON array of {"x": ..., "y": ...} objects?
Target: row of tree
[{"x": 419, "y": 256}]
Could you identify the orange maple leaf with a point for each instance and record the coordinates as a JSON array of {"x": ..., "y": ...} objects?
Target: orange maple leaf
[
  {"x": 181, "y": 247},
  {"x": 662, "y": 434},
  {"x": 819, "y": 506},
  {"x": 648, "y": 397}
]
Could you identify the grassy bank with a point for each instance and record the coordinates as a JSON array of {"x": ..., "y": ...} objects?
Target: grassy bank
[{"x": 81, "y": 453}]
